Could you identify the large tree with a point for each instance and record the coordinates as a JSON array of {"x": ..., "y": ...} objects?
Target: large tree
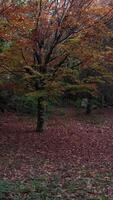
[{"x": 38, "y": 32}]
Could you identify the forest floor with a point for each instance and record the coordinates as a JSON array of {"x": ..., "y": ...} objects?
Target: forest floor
[{"x": 71, "y": 160}]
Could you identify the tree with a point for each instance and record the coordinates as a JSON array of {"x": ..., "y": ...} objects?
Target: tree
[
  {"x": 91, "y": 50},
  {"x": 39, "y": 30}
]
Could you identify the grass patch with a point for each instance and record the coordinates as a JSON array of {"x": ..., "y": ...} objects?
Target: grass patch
[{"x": 84, "y": 188}]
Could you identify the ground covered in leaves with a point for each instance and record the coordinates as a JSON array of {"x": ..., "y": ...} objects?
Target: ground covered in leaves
[{"x": 71, "y": 160}]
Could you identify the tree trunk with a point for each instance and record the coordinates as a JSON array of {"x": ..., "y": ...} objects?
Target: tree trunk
[
  {"x": 102, "y": 101},
  {"x": 40, "y": 115},
  {"x": 2, "y": 108},
  {"x": 89, "y": 106}
]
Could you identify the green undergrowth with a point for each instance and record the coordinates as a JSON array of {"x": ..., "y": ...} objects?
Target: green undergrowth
[{"x": 82, "y": 188}]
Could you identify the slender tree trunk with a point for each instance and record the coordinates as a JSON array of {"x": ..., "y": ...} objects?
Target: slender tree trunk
[
  {"x": 40, "y": 115},
  {"x": 89, "y": 106},
  {"x": 2, "y": 109},
  {"x": 102, "y": 101}
]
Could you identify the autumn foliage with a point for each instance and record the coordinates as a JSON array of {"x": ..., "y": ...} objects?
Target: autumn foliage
[
  {"x": 56, "y": 73},
  {"x": 43, "y": 35}
]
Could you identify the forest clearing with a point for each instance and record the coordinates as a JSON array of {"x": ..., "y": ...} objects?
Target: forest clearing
[
  {"x": 56, "y": 99},
  {"x": 63, "y": 163}
]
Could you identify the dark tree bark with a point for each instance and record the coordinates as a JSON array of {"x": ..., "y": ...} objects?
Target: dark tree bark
[
  {"x": 89, "y": 105},
  {"x": 2, "y": 109},
  {"x": 40, "y": 115}
]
